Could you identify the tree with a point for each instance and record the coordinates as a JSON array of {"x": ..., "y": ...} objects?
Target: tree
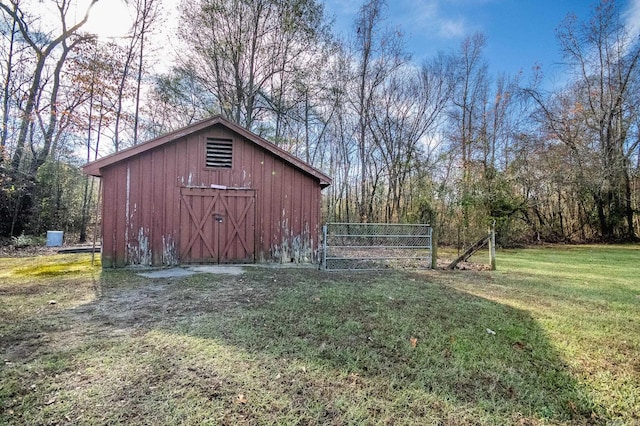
[
  {"x": 94, "y": 73},
  {"x": 46, "y": 45},
  {"x": 42, "y": 50},
  {"x": 177, "y": 99},
  {"x": 12, "y": 26},
  {"x": 136, "y": 42},
  {"x": 241, "y": 51},
  {"x": 379, "y": 52},
  {"x": 595, "y": 116},
  {"x": 467, "y": 115},
  {"x": 406, "y": 110}
]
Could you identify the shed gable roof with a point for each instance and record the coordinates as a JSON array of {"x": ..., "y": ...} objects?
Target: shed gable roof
[{"x": 94, "y": 168}]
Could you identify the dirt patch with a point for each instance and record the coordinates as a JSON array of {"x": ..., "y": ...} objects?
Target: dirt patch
[
  {"x": 443, "y": 263},
  {"x": 127, "y": 304},
  {"x": 29, "y": 251},
  {"x": 185, "y": 272},
  {"x": 161, "y": 301}
]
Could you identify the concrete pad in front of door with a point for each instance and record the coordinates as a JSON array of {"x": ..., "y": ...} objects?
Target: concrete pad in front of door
[{"x": 185, "y": 272}]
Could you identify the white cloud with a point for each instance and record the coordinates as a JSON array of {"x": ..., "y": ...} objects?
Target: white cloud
[
  {"x": 428, "y": 17},
  {"x": 632, "y": 18},
  {"x": 453, "y": 28}
]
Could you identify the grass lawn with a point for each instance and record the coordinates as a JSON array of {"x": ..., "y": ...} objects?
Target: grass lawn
[{"x": 552, "y": 337}]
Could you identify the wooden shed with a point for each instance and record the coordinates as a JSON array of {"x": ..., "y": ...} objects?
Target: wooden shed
[{"x": 211, "y": 192}]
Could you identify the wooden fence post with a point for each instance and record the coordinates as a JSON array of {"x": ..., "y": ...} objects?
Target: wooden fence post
[{"x": 492, "y": 246}]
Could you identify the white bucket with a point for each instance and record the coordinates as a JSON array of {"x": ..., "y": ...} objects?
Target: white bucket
[{"x": 54, "y": 238}]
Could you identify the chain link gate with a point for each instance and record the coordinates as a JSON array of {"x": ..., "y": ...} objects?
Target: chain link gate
[{"x": 372, "y": 246}]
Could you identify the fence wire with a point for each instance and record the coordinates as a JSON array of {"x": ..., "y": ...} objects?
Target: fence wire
[{"x": 374, "y": 246}]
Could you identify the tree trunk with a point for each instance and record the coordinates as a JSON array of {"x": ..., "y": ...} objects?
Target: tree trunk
[
  {"x": 7, "y": 84},
  {"x": 631, "y": 233},
  {"x": 27, "y": 114}
]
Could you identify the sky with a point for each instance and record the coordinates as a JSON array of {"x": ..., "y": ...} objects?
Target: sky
[{"x": 520, "y": 33}]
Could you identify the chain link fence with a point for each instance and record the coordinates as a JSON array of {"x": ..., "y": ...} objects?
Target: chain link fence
[{"x": 374, "y": 246}]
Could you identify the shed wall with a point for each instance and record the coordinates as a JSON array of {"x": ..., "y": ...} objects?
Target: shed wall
[{"x": 141, "y": 207}]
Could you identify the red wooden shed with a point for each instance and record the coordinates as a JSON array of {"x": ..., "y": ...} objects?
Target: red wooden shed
[{"x": 211, "y": 192}]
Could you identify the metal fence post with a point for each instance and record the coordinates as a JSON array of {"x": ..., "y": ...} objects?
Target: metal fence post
[
  {"x": 434, "y": 245},
  {"x": 324, "y": 246}
]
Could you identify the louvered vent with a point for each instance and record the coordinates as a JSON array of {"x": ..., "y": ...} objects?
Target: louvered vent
[{"x": 219, "y": 153}]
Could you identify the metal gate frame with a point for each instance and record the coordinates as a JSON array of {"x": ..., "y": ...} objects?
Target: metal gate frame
[{"x": 376, "y": 246}]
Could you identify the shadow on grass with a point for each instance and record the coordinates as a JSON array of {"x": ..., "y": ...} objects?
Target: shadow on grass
[
  {"x": 406, "y": 341},
  {"x": 296, "y": 347}
]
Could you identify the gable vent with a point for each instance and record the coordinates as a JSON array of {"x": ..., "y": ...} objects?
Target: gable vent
[{"x": 219, "y": 153}]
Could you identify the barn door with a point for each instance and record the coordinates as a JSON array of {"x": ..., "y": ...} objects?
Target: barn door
[{"x": 217, "y": 226}]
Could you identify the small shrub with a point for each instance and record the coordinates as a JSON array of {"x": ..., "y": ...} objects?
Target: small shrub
[{"x": 24, "y": 241}]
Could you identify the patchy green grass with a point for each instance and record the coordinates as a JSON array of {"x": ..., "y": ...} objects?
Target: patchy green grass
[
  {"x": 552, "y": 337},
  {"x": 31, "y": 288},
  {"x": 588, "y": 300},
  {"x": 27, "y": 268}
]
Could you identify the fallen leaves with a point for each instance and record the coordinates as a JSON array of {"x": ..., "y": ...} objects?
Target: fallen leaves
[
  {"x": 519, "y": 346},
  {"x": 354, "y": 378}
]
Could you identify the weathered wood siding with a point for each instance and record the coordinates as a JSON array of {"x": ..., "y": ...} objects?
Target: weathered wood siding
[{"x": 142, "y": 205}]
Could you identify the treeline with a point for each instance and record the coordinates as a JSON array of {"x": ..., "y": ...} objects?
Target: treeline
[{"x": 442, "y": 141}]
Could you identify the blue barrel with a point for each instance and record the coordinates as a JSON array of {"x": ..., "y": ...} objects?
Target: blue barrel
[{"x": 54, "y": 238}]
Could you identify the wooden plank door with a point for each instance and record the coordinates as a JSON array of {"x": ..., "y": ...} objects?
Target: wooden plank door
[{"x": 217, "y": 226}]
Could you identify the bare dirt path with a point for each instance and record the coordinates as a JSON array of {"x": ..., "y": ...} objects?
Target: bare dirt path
[{"x": 128, "y": 303}]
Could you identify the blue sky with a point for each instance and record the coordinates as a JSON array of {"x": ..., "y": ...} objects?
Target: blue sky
[{"x": 520, "y": 33}]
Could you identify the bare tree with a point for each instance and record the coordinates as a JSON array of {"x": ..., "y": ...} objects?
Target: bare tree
[
  {"x": 43, "y": 49},
  {"x": 45, "y": 45},
  {"x": 595, "y": 115},
  {"x": 379, "y": 52},
  {"x": 407, "y": 110},
  {"x": 12, "y": 26},
  {"x": 244, "y": 52},
  {"x": 469, "y": 100},
  {"x": 146, "y": 15},
  {"x": 94, "y": 77}
]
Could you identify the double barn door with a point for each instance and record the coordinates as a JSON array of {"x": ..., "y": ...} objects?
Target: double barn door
[{"x": 217, "y": 225}]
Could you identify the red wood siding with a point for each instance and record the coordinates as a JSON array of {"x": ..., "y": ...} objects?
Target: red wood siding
[
  {"x": 142, "y": 202},
  {"x": 217, "y": 225}
]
